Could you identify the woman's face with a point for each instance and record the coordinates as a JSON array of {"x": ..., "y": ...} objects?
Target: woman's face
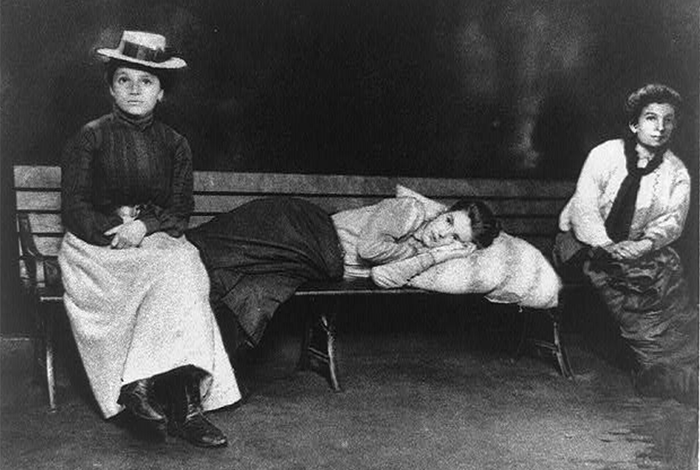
[
  {"x": 447, "y": 228},
  {"x": 655, "y": 125},
  {"x": 135, "y": 91}
]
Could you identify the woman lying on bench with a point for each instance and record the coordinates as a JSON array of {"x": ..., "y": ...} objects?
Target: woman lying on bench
[
  {"x": 417, "y": 242},
  {"x": 260, "y": 253},
  {"x": 399, "y": 238}
]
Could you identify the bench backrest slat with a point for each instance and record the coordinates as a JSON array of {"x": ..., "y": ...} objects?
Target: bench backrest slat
[
  {"x": 49, "y": 177},
  {"x": 50, "y": 202},
  {"x": 527, "y": 208}
]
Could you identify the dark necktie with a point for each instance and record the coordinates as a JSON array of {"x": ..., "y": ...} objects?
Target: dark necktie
[{"x": 619, "y": 220}]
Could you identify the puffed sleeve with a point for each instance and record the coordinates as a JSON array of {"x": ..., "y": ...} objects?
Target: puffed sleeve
[
  {"x": 173, "y": 218},
  {"x": 380, "y": 239},
  {"x": 667, "y": 227},
  {"x": 77, "y": 209},
  {"x": 582, "y": 214},
  {"x": 399, "y": 273}
]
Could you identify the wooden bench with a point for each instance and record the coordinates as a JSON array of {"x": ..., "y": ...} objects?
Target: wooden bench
[{"x": 527, "y": 208}]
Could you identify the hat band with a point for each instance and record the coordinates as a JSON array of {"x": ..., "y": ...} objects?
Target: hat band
[{"x": 139, "y": 52}]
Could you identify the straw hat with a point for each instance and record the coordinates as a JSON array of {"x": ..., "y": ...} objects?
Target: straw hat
[{"x": 147, "y": 49}]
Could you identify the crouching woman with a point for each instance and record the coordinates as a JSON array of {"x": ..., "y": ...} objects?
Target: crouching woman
[{"x": 630, "y": 205}]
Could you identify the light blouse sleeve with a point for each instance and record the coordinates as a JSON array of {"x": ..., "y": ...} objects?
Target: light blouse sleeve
[
  {"x": 667, "y": 227},
  {"x": 479, "y": 273},
  {"x": 399, "y": 273},
  {"x": 383, "y": 238},
  {"x": 584, "y": 215}
]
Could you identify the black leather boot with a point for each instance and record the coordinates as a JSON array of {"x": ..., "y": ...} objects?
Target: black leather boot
[
  {"x": 138, "y": 398},
  {"x": 187, "y": 419}
]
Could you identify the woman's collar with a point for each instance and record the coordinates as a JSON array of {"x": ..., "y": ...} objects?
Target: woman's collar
[{"x": 139, "y": 122}]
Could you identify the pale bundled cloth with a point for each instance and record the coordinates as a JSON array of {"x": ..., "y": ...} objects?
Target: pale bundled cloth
[
  {"x": 140, "y": 312},
  {"x": 511, "y": 270}
]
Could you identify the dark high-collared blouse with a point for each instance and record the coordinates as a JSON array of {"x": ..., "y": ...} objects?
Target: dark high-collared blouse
[{"x": 118, "y": 160}]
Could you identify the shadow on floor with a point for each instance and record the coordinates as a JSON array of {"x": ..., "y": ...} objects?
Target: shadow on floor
[{"x": 426, "y": 396}]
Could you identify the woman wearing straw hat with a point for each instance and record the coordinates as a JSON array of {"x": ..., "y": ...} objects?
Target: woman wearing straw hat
[{"x": 136, "y": 290}]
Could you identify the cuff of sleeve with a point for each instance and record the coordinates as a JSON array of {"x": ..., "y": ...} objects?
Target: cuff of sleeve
[
  {"x": 599, "y": 240},
  {"x": 152, "y": 224},
  {"x": 652, "y": 240},
  {"x": 113, "y": 220}
]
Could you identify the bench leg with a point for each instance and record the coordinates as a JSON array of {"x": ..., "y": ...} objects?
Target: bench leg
[
  {"x": 554, "y": 347},
  {"x": 50, "y": 375},
  {"x": 328, "y": 321},
  {"x": 559, "y": 351},
  {"x": 318, "y": 352},
  {"x": 45, "y": 351}
]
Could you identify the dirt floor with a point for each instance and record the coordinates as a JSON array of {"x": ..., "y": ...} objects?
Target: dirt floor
[{"x": 414, "y": 398}]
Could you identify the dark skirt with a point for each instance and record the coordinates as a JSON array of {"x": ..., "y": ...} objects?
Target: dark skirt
[
  {"x": 259, "y": 253},
  {"x": 650, "y": 301}
]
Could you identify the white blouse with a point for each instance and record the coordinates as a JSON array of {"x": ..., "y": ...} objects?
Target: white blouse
[
  {"x": 379, "y": 234},
  {"x": 662, "y": 201}
]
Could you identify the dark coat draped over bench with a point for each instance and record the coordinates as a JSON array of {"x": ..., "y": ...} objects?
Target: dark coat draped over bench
[{"x": 258, "y": 255}]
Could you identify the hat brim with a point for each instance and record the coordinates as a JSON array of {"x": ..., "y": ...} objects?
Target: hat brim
[{"x": 170, "y": 64}]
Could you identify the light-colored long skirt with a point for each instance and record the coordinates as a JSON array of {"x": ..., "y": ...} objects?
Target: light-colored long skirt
[{"x": 140, "y": 312}]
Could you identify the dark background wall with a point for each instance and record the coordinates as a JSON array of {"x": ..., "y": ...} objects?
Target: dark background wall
[{"x": 454, "y": 88}]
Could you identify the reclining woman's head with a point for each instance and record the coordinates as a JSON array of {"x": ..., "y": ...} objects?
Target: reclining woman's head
[{"x": 467, "y": 221}]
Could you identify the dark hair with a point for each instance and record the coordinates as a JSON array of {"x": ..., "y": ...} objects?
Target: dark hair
[
  {"x": 165, "y": 77},
  {"x": 485, "y": 225},
  {"x": 651, "y": 93}
]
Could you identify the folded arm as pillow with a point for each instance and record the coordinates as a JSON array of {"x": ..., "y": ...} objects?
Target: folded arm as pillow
[
  {"x": 399, "y": 273},
  {"x": 509, "y": 271}
]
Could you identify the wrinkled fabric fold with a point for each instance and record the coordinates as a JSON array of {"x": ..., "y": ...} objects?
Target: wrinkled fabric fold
[
  {"x": 259, "y": 254},
  {"x": 142, "y": 312},
  {"x": 650, "y": 301}
]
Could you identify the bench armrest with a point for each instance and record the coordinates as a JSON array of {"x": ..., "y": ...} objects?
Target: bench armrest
[{"x": 42, "y": 272}]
